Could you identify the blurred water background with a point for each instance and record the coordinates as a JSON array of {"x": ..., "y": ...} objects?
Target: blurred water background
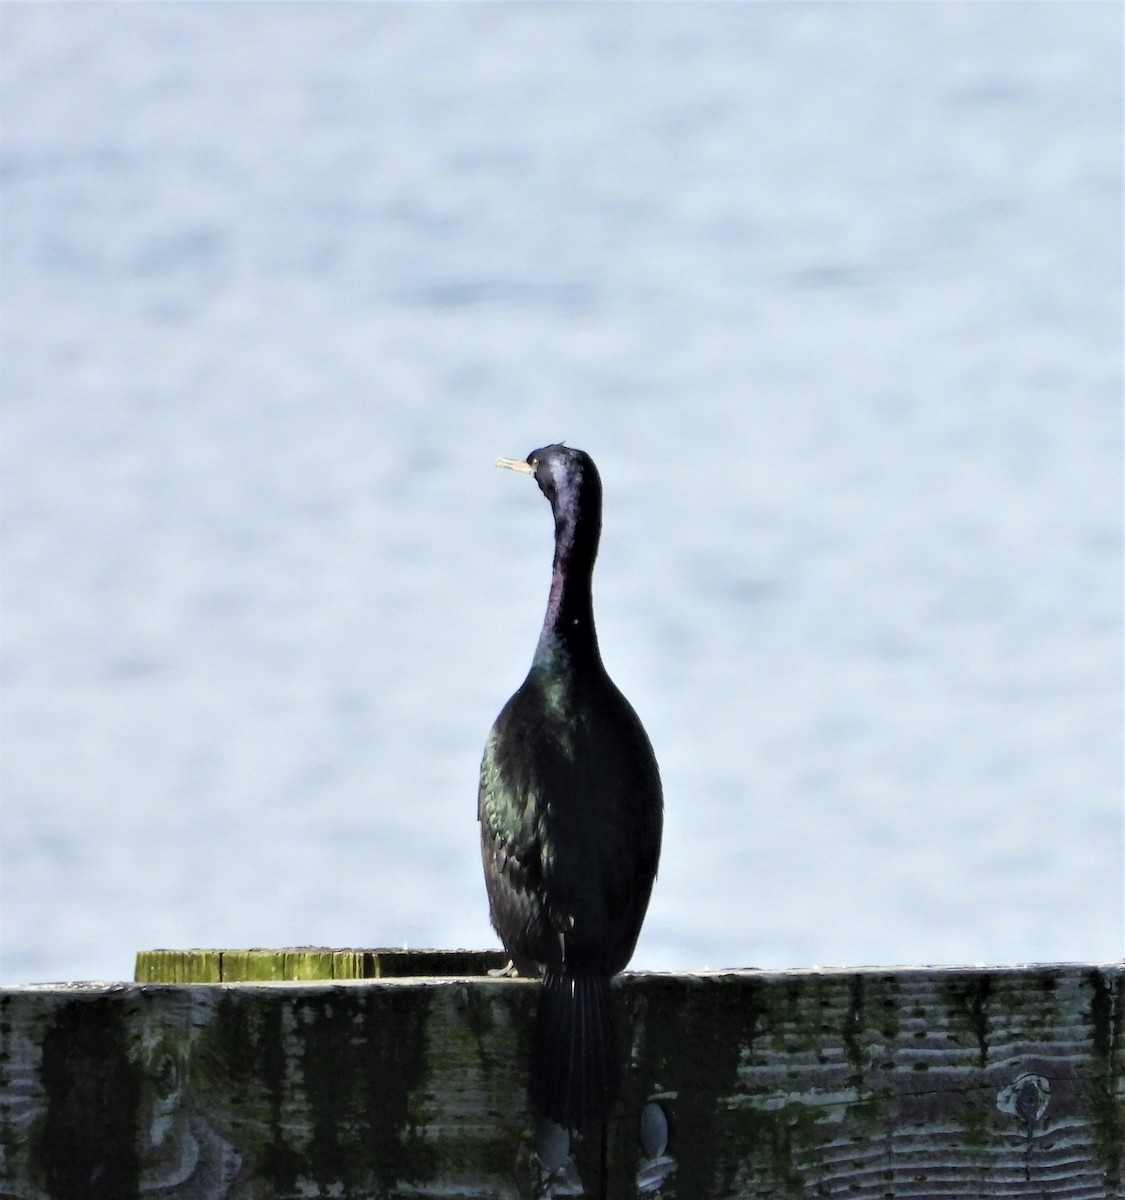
[{"x": 832, "y": 293}]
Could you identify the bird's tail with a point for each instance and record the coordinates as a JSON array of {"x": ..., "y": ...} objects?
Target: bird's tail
[{"x": 575, "y": 1069}]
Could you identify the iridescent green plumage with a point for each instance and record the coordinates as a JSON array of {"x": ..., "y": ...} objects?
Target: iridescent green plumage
[{"x": 570, "y": 810}]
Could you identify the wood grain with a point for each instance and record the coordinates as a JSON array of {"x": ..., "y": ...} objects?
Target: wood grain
[{"x": 868, "y": 1083}]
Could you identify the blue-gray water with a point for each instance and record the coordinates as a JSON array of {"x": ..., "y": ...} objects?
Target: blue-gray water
[{"x": 832, "y": 293}]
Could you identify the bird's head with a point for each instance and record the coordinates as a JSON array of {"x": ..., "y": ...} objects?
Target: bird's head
[{"x": 567, "y": 477}]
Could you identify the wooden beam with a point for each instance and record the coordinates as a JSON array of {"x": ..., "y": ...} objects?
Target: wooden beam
[
  {"x": 866, "y": 1083},
  {"x": 309, "y": 962}
]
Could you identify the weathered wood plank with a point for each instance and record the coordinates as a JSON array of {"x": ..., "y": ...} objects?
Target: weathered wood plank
[
  {"x": 923, "y": 1083},
  {"x": 179, "y": 966},
  {"x": 873, "y": 1083},
  {"x": 309, "y": 962}
]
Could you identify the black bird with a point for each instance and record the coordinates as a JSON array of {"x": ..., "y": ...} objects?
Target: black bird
[{"x": 571, "y": 812}]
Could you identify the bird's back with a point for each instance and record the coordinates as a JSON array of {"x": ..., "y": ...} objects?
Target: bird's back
[{"x": 571, "y": 812}]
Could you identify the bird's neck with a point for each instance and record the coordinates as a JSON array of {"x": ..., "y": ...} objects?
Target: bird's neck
[{"x": 569, "y": 636}]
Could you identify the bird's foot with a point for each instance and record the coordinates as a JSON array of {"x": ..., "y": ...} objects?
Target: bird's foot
[{"x": 506, "y": 972}]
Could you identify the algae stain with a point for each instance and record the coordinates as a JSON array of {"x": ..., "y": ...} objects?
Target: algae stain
[
  {"x": 968, "y": 1003},
  {"x": 980, "y": 992},
  {"x": 85, "y": 1140},
  {"x": 976, "y": 1126},
  {"x": 853, "y": 1027},
  {"x": 1106, "y": 1020},
  {"x": 891, "y": 990}
]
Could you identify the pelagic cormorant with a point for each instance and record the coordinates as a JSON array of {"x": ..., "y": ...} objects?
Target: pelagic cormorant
[{"x": 570, "y": 811}]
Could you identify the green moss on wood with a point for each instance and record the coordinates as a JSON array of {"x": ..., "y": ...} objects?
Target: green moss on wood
[
  {"x": 179, "y": 966},
  {"x": 297, "y": 963}
]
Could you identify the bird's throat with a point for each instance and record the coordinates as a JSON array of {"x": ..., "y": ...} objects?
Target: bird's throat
[{"x": 568, "y": 626}]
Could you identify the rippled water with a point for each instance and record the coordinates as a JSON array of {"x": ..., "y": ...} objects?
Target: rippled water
[{"x": 833, "y": 296}]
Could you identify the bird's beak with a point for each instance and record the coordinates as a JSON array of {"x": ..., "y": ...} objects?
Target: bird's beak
[{"x": 516, "y": 464}]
